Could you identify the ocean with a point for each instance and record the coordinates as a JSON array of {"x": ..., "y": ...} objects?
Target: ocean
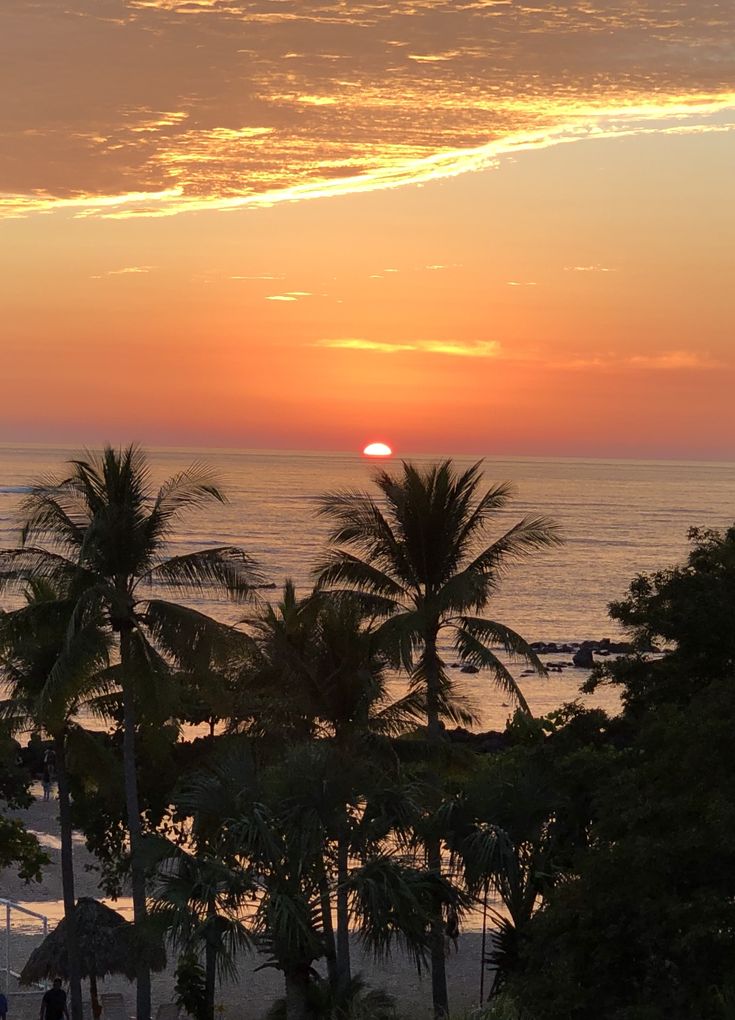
[{"x": 618, "y": 517}]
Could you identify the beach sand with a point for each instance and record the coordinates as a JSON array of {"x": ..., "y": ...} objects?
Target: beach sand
[{"x": 256, "y": 989}]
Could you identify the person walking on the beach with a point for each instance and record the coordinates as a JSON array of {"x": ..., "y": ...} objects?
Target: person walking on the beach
[
  {"x": 3, "y": 1006},
  {"x": 46, "y": 782},
  {"x": 53, "y": 1004}
]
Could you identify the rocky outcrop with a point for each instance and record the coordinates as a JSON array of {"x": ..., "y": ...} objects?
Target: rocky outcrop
[{"x": 583, "y": 657}]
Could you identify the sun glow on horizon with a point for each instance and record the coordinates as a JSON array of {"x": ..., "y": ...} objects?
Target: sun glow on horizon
[{"x": 377, "y": 450}]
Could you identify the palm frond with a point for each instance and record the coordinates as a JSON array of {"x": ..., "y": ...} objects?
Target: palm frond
[
  {"x": 472, "y": 650},
  {"x": 492, "y": 632},
  {"x": 192, "y": 639},
  {"x": 190, "y": 489},
  {"x": 22, "y": 567},
  {"x": 226, "y": 569}
]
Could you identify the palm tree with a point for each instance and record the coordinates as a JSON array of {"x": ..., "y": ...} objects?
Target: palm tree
[
  {"x": 420, "y": 557},
  {"x": 320, "y": 672},
  {"x": 267, "y": 828},
  {"x": 106, "y": 521},
  {"x": 198, "y": 901},
  {"x": 48, "y": 679}
]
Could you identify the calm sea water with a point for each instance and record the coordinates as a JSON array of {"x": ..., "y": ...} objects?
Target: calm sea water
[{"x": 618, "y": 518}]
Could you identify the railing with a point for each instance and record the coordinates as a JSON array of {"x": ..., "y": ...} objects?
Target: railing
[{"x": 11, "y": 905}]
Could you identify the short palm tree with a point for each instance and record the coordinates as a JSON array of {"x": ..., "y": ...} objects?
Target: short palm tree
[
  {"x": 106, "y": 521},
  {"x": 320, "y": 672},
  {"x": 198, "y": 903},
  {"x": 419, "y": 555},
  {"x": 48, "y": 679},
  {"x": 269, "y": 829}
]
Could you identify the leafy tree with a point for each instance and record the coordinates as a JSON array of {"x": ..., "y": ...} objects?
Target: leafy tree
[
  {"x": 48, "y": 679},
  {"x": 420, "y": 557},
  {"x": 106, "y": 522},
  {"x": 644, "y": 926},
  {"x": 518, "y": 817},
  {"x": 18, "y": 847}
]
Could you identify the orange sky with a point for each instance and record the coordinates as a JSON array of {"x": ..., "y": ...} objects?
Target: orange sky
[{"x": 479, "y": 226}]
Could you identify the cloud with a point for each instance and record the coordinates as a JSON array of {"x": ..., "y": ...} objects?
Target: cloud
[
  {"x": 662, "y": 361},
  {"x": 259, "y": 276},
  {"x": 673, "y": 360},
  {"x": 291, "y": 295},
  {"x": 123, "y": 272},
  {"x": 409, "y": 91},
  {"x": 452, "y": 348},
  {"x": 589, "y": 269}
]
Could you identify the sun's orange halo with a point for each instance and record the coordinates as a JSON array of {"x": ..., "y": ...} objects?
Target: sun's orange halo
[{"x": 377, "y": 450}]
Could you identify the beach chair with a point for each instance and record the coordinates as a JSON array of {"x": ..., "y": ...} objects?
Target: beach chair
[
  {"x": 167, "y": 1011},
  {"x": 113, "y": 1006}
]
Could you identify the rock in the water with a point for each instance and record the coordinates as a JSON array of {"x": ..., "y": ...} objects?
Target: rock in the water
[
  {"x": 583, "y": 658},
  {"x": 469, "y": 668}
]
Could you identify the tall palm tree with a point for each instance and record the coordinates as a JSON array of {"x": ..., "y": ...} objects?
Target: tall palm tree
[
  {"x": 105, "y": 520},
  {"x": 48, "y": 680},
  {"x": 419, "y": 555}
]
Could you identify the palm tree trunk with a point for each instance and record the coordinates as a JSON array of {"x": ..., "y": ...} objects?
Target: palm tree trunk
[
  {"x": 439, "y": 993},
  {"x": 431, "y": 668},
  {"x": 344, "y": 968},
  {"x": 210, "y": 967},
  {"x": 330, "y": 951},
  {"x": 137, "y": 868},
  {"x": 67, "y": 880},
  {"x": 96, "y": 1005},
  {"x": 297, "y": 993}
]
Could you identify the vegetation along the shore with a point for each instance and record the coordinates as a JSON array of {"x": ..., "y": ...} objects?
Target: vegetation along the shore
[{"x": 321, "y": 802}]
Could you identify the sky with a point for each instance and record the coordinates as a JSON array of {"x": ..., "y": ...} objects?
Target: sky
[{"x": 479, "y": 226}]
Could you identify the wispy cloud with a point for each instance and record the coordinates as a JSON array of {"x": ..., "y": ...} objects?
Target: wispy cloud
[
  {"x": 589, "y": 269},
  {"x": 674, "y": 360},
  {"x": 259, "y": 276},
  {"x": 452, "y": 348},
  {"x": 125, "y": 271},
  {"x": 661, "y": 361},
  {"x": 291, "y": 295}
]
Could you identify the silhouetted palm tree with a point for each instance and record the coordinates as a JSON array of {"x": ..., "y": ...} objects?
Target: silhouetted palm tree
[
  {"x": 271, "y": 830},
  {"x": 320, "y": 672},
  {"x": 106, "y": 521},
  {"x": 420, "y": 557}
]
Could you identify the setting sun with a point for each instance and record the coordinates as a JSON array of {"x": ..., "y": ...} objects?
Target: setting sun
[{"x": 377, "y": 450}]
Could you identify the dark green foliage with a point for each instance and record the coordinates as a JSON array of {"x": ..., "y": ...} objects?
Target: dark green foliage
[
  {"x": 354, "y": 1002},
  {"x": 517, "y": 819},
  {"x": 643, "y": 927},
  {"x": 18, "y": 848},
  {"x": 190, "y": 988}
]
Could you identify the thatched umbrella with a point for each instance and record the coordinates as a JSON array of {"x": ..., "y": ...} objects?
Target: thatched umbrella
[{"x": 106, "y": 946}]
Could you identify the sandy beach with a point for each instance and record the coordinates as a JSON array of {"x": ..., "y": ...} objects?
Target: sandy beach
[{"x": 251, "y": 996}]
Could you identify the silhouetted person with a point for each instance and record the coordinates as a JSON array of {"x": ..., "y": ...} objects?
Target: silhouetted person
[
  {"x": 46, "y": 783},
  {"x": 3, "y": 1006},
  {"x": 53, "y": 1004}
]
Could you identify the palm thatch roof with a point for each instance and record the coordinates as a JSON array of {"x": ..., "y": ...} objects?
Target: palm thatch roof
[{"x": 106, "y": 946}]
